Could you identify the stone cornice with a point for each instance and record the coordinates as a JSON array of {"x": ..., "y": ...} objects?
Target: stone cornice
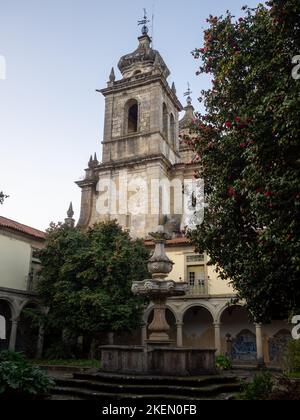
[{"x": 137, "y": 82}]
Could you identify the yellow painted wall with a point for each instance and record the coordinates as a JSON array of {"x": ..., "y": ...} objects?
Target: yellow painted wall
[
  {"x": 15, "y": 258},
  {"x": 216, "y": 286}
]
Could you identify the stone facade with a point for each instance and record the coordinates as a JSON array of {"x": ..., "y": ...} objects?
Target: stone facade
[
  {"x": 19, "y": 269},
  {"x": 149, "y": 154},
  {"x": 142, "y": 143}
]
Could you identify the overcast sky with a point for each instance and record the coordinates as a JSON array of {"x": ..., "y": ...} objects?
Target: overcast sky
[{"x": 57, "y": 53}]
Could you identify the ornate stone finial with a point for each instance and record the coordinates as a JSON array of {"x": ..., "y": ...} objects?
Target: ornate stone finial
[
  {"x": 112, "y": 76},
  {"x": 159, "y": 264},
  {"x": 69, "y": 221},
  {"x": 70, "y": 212},
  {"x": 91, "y": 162},
  {"x": 143, "y": 23},
  {"x": 174, "y": 88},
  {"x": 96, "y": 159}
]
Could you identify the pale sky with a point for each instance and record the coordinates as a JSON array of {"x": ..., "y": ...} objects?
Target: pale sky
[{"x": 57, "y": 53}]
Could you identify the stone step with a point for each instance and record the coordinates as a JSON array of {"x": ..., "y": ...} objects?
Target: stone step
[
  {"x": 121, "y": 379},
  {"x": 202, "y": 390},
  {"x": 83, "y": 394}
]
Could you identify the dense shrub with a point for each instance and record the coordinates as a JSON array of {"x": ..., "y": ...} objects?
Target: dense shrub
[
  {"x": 223, "y": 363},
  {"x": 293, "y": 356},
  {"x": 20, "y": 380},
  {"x": 259, "y": 389}
]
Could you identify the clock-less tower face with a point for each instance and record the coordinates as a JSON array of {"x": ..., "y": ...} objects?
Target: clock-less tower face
[
  {"x": 141, "y": 111},
  {"x": 141, "y": 169}
]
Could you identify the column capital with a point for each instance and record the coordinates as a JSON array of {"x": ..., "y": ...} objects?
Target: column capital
[
  {"x": 179, "y": 324},
  {"x": 217, "y": 324},
  {"x": 258, "y": 326}
]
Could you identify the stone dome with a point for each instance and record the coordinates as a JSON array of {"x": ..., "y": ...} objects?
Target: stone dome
[{"x": 142, "y": 60}]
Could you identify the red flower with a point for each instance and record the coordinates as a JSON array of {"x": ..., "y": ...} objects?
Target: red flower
[
  {"x": 228, "y": 124},
  {"x": 268, "y": 194},
  {"x": 231, "y": 192}
]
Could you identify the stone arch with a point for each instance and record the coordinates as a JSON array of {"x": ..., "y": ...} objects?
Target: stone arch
[
  {"x": 198, "y": 329},
  {"x": 31, "y": 302},
  {"x": 6, "y": 312},
  {"x": 226, "y": 307},
  {"x": 238, "y": 333},
  {"x": 244, "y": 347},
  {"x": 28, "y": 332},
  {"x": 199, "y": 305},
  {"x": 131, "y": 116},
  {"x": 278, "y": 345},
  {"x": 150, "y": 308},
  {"x": 165, "y": 121}
]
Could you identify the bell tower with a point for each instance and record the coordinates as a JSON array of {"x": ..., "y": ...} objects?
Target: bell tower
[
  {"x": 141, "y": 148},
  {"x": 141, "y": 109}
]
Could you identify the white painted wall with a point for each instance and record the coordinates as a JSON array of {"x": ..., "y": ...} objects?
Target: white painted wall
[
  {"x": 15, "y": 258},
  {"x": 216, "y": 286}
]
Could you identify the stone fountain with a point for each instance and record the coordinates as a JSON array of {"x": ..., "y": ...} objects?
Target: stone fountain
[
  {"x": 158, "y": 290},
  {"x": 158, "y": 356}
]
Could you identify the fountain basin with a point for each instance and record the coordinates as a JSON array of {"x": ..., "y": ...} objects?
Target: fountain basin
[{"x": 159, "y": 361}]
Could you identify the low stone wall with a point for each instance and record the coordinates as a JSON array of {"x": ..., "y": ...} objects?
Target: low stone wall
[{"x": 158, "y": 361}]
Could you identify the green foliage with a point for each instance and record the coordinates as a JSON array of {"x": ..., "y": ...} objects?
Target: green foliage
[
  {"x": 223, "y": 363},
  {"x": 259, "y": 389},
  {"x": 293, "y": 356},
  {"x": 19, "y": 379},
  {"x": 59, "y": 351},
  {"x": 87, "y": 278},
  {"x": 248, "y": 145},
  {"x": 11, "y": 356}
]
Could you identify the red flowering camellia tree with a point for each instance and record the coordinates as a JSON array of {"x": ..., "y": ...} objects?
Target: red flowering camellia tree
[{"x": 248, "y": 143}]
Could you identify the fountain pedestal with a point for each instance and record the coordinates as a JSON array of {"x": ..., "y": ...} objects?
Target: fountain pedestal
[{"x": 158, "y": 357}]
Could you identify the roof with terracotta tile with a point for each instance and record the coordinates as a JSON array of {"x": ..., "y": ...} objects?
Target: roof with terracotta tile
[
  {"x": 20, "y": 228},
  {"x": 181, "y": 241}
]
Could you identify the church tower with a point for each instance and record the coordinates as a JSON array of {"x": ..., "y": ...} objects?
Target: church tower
[{"x": 141, "y": 150}]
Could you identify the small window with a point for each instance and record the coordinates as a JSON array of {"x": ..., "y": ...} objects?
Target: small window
[
  {"x": 195, "y": 258},
  {"x": 192, "y": 278},
  {"x": 173, "y": 130},
  {"x": 132, "y": 115},
  {"x": 165, "y": 121}
]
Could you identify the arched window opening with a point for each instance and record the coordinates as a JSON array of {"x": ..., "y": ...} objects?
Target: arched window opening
[
  {"x": 165, "y": 121},
  {"x": 173, "y": 130},
  {"x": 133, "y": 113}
]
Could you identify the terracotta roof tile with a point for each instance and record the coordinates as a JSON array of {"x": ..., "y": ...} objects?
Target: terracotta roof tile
[
  {"x": 172, "y": 242},
  {"x": 18, "y": 227}
]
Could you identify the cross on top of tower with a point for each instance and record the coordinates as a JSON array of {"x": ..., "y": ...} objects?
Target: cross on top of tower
[
  {"x": 188, "y": 94},
  {"x": 143, "y": 23}
]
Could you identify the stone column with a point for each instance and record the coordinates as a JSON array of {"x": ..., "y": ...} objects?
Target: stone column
[
  {"x": 40, "y": 342},
  {"x": 13, "y": 335},
  {"x": 144, "y": 334},
  {"x": 218, "y": 345},
  {"x": 179, "y": 334},
  {"x": 259, "y": 345},
  {"x": 159, "y": 328}
]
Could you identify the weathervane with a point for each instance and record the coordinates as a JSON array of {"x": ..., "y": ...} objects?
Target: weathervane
[
  {"x": 144, "y": 22},
  {"x": 188, "y": 94}
]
